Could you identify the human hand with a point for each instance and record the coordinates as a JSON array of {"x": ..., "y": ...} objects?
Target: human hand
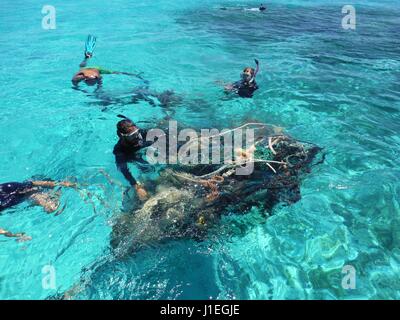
[
  {"x": 220, "y": 82},
  {"x": 141, "y": 192},
  {"x": 23, "y": 238},
  {"x": 228, "y": 87}
]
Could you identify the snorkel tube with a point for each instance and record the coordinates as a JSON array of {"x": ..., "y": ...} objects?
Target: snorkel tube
[
  {"x": 257, "y": 67},
  {"x": 253, "y": 78},
  {"x": 125, "y": 118}
]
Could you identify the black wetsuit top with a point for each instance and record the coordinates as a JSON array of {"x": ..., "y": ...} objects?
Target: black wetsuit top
[
  {"x": 13, "y": 193},
  {"x": 245, "y": 89},
  {"x": 126, "y": 153}
]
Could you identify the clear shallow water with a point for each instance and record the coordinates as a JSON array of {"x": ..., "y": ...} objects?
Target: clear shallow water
[{"x": 339, "y": 89}]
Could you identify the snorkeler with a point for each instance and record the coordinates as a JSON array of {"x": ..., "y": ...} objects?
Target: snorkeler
[
  {"x": 247, "y": 85},
  {"x": 13, "y": 193},
  {"x": 260, "y": 8},
  {"x": 93, "y": 75},
  {"x": 131, "y": 140}
]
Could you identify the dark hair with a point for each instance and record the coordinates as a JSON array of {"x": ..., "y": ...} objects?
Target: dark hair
[{"x": 125, "y": 126}]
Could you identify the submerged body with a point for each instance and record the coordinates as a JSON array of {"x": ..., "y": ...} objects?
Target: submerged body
[
  {"x": 92, "y": 75},
  {"x": 14, "y": 193},
  {"x": 243, "y": 89}
]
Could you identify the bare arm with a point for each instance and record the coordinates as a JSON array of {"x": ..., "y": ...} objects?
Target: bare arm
[
  {"x": 122, "y": 166},
  {"x": 233, "y": 86},
  {"x": 105, "y": 71},
  {"x": 20, "y": 236},
  {"x": 84, "y": 62},
  {"x": 138, "y": 75},
  {"x": 229, "y": 87},
  {"x": 222, "y": 83},
  {"x": 78, "y": 77},
  {"x": 53, "y": 184}
]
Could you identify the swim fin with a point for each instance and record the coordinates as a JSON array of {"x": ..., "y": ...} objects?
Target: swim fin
[{"x": 89, "y": 45}]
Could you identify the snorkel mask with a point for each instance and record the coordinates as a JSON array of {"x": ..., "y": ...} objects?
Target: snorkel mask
[
  {"x": 133, "y": 136},
  {"x": 247, "y": 75}
]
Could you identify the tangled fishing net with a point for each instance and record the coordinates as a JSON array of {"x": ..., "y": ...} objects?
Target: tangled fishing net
[{"x": 189, "y": 199}]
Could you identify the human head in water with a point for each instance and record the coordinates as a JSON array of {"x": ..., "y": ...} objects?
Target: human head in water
[
  {"x": 248, "y": 74},
  {"x": 128, "y": 132},
  {"x": 90, "y": 76}
]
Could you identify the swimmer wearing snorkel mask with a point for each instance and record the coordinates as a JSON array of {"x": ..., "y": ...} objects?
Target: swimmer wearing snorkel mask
[
  {"x": 131, "y": 140},
  {"x": 93, "y": 75},
  {"x": 37, "y": 192},
  {"x": 247, "y": 85},
  {"x": 260, "y": 8}
]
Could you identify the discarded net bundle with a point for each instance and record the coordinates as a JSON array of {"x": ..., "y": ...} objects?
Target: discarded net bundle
[
  {"x": 279, "y": 161},
  {"x": 190, "y": 199}
]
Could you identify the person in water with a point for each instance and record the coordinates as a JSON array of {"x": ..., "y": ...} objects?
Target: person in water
[
  {"x": 14, "y": 193},
  {"x": 260, "y": 8},
  {"x": 92, "y": 75},
  {"x": 132, "y": 139},
  {"x": 246, "y": 86}
]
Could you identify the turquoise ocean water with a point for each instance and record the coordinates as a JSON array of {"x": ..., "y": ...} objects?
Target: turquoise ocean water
[{"x": 337, "y": 88}]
